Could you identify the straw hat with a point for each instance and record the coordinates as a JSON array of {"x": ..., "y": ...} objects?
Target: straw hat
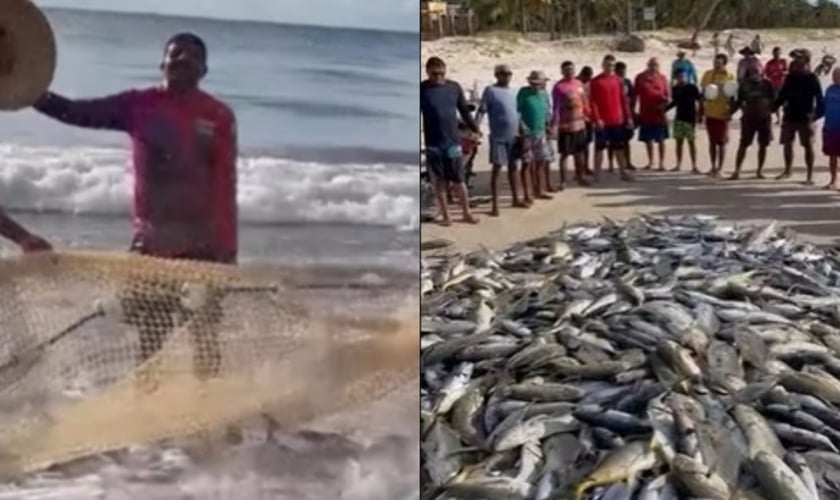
[{"x": 27, "y": 54}]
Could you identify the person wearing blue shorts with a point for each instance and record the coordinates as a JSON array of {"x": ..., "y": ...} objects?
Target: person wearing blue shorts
[{"x": 653, "y": 92}]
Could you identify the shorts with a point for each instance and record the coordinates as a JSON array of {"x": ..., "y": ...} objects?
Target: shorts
[
  {"x": 536, "y": 149},
  {"x": 570, "y": 143},
  {"x": 504, "y": 151},
  {"x": 831, "y": 142},
  {"x": 590, "y": 134},
  {"x": 653, "y": 133},
  {"x": 613, "y": 137},
  {"x": 763, "y": 128},
  {"x": 805, "y": 131},
  {"x": 446, "y": 165},
  {"x": 684, "y": 131},
  {"x": 718, "y": 130}
]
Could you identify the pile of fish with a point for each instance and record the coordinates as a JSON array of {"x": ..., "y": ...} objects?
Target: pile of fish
[{"x": 658, "y": 358}]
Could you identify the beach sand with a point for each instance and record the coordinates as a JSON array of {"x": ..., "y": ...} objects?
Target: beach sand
[{"x": 806, "y": 209}]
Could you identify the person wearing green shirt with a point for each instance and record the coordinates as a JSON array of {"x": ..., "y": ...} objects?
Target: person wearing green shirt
[{"x": 534, "y": 108}]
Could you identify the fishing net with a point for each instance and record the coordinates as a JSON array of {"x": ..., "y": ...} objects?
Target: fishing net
[{"x": 102, "y": 351}]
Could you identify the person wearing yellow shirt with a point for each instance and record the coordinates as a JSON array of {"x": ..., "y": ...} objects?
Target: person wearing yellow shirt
[{"x": 716, "y": 112}]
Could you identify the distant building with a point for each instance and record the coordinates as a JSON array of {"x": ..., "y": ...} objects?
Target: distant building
[{"x": 440, "y": 19}]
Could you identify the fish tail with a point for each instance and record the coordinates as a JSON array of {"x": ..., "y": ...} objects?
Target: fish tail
[{"x": 581, "y": 488}]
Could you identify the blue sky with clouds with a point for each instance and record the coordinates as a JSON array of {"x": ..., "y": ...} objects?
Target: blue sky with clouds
[{"x": 400, "y": 15}]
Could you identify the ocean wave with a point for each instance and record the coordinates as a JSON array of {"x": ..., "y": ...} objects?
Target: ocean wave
[{"x": 272, "y": 190}]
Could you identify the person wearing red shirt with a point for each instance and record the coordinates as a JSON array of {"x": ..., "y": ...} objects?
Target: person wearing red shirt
[
  {"x": 611, "y": 117},
  {"x": 653, "y": 95},
  {"x": 184, "y": 153},
  {"x": 776, "y": 70}
]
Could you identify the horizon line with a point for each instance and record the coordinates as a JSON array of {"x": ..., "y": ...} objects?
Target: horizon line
[{"x": 231, "y": 20}]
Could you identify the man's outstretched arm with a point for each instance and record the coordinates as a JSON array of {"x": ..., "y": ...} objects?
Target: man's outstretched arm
[
  {"x": 13, "y": 231},
  {"x": 108, "y": 113}
]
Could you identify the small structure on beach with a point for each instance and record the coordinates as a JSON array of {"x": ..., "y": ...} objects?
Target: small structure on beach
[{"x": 440, "y": 19}]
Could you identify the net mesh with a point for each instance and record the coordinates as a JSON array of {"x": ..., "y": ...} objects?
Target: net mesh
[{"x": 102, "y": 351}]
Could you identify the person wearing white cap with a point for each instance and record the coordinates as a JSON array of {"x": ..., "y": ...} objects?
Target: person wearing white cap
[
  {"x": 533, "y": 105},
  {"x": 498, "y": 102},
  {"x": 28, "y": 242}
]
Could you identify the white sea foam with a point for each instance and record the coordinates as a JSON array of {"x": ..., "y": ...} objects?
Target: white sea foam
[{"x": 97, "y": 181}]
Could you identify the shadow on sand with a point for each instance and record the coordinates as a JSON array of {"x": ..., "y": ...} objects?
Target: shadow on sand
[{"x": 805, "y": 209}]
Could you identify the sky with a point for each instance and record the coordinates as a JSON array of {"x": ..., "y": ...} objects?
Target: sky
[{"x": 402, "y": 15}]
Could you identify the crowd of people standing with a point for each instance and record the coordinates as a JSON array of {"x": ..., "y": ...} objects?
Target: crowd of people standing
[{"x": 591, "y": 119}]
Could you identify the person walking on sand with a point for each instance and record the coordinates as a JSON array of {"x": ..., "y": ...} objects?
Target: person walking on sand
[
  {"x": 755, "y": 100},
  {"x": 568, "y": 119},
  {"x": 729, "y": 46},
  {"x": 19, "y": 235},
  {"x": 498, "y": 102},
  {"x": 684, "y": 64},
  {"x": 653, "y": 96},
  {"x": 184, "y": 153},
  {"x": 716, "y": 42},
  {"x": 611, "y": 116},
  {"x": 441, "y": 102},
  {"x": 686, "y": 98},
  {"x": 716, "y": 112},
  {"x": 630, "y": 95},
  {"x": 757, "y": 45},
  {"x": 801, "y": 99},
  {"x": 831, "y": 128},
  {"x": 775, "y": 71},
  {"x": 532, "y": 103}
]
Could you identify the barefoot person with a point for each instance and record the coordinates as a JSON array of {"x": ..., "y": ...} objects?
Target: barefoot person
[
  {"x": 184, "y": 145},
  {"x": 716, "y": 112},
  {"x": 534, "y": 109},
  {"x": 776, "y": 70},
  {"x": 687, "y": 99},
  {"x": 831, "y": 127},
  {"x": 441, "y": 102},
  {"x": 20, "y": 236},
  {"x": 653, "y": 95},
  {"x": 755, "y": 100},
  {"x": 585, "y": 76},
  {"x": 568, "y": 119},
  {"x": 611, "y": 116},
  {"x": 498, "y": 102},
  {"x": 630, "y": 95},
  {"x": 801, "y": 99}
]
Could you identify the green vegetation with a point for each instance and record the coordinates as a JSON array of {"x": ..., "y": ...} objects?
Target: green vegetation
[{"x": 573, "y": 17}]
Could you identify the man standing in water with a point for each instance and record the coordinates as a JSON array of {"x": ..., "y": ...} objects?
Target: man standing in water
[
  {"x": 755, "y": 100},
  {"x": 801, "y": 98},
  {"x": 184, "y": 153},
  {"x": 499, "y": 104},
  {"x": 441, "y": 101},
  {"x": 19, "y": 235}
]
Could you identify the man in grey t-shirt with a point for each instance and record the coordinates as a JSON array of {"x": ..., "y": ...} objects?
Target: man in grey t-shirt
[{"x": 499, "y": 104}]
